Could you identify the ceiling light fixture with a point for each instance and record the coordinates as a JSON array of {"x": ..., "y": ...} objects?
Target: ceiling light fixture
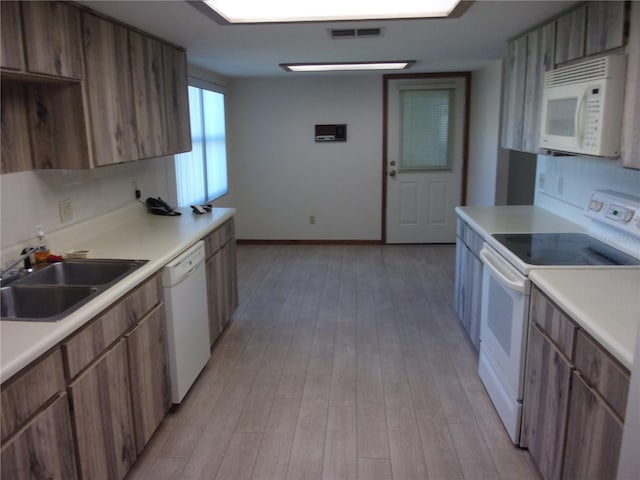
[
  {"x": 346, "y": 66},
  {"x": 272, "y": 11}
]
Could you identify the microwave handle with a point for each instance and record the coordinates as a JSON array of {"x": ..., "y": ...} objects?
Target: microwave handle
[{"x": 579, "y": 120}]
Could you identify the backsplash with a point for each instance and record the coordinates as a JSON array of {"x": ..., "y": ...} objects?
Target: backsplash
[
  {"x": 564, "y": 186},
  {"x": 31, "y": 198}
]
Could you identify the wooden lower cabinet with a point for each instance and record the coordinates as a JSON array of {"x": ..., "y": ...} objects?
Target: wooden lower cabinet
[
  {"x": 222, "y": 278},
  {"x": 594, "y": 436},
  {"x": 546, "y": 402},
  {"x": 44, "y": 448},
  {"x": 102, "y": 414},
  {"x": 468, "y": 282},
  {"x": 215, "y": 295},
  {"x": 148, "y": 375},
  {"x": 574, "y": 398}
]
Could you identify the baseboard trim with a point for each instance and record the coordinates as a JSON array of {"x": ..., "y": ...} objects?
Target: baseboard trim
[{"x": 307, "y": 242}]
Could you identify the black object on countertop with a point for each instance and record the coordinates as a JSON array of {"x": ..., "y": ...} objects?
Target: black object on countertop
[{"x": 157, "y": 206}]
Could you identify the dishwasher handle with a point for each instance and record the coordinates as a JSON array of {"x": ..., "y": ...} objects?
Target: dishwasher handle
[{"x": 501, "y": 270}]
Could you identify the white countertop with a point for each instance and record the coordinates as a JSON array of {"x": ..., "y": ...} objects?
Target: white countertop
[
  {"x": 605, "y": 302},
  {"x": 515, "y": 219},
  {"x": 129, "y": 233}
]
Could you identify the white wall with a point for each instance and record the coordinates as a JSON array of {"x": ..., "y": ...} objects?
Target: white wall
[
  {"x": 31, "y": 198},
  {"x": 488, "y": 163},
  {"x": 279, "y": 175},
  {"x": 564, "y": 186}
]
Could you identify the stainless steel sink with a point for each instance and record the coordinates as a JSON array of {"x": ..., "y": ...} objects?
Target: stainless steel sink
[
  {"x": 82, "y": 272},
  {"x": 42, "y": 303},
  {"x": 50, "y": 293}
]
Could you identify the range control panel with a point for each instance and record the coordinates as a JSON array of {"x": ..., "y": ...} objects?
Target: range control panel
[{"x": 616, "y": 209}]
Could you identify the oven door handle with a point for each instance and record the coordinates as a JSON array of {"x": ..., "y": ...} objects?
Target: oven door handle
[{"x": 504, "y": 272}]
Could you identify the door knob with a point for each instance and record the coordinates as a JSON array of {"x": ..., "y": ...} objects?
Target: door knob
[
  {"x": 392, "y": 163},
  {"x": 392, "y": 173}
]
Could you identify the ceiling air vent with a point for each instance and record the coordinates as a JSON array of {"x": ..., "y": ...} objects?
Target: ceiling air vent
[{"x": 354, "y": 33}]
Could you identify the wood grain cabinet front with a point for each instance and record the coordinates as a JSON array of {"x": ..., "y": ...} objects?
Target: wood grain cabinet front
[
  {"x": 11, "y": 48},
  {"x": 546, "y": 403},
  {"x": 631, "y": 119},
  {"x": 53, "y": 39},
  {"x": 109, "y": 91},
  {"x": 570, "y": 29},
  {"x": 594, "y": 435},
  {"x": 222, "y": 280},
  {"x": 468, "y": 281},
  {"x": 176, "y": 97},
  {"x": 36, "y": 427},
  {"x": 103, "y": 419},
  {"x": 147, "y": 77},
  {"x": 148, "y": 369},
  {"x": 43, "y": 449},
  {"x": 574, "y": 398}
]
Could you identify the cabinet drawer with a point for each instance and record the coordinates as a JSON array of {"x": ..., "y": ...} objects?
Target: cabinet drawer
[
  {"x": 22, "y": 397},
  {"x": 83, "y": 348},
  {"x": 560, "y": 329},
  {"x": 216, "y": 239},
  {"x": 602, "y": 372}
]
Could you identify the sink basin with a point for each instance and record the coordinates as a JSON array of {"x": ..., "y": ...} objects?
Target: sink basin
[
  {"x": 42, "y": 303},
  {"x": 82, "y": 272},
  {"x": 51, "y": 292}
]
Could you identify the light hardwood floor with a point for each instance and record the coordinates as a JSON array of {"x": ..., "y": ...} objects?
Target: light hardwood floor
[{"x": 342, "y": 362}]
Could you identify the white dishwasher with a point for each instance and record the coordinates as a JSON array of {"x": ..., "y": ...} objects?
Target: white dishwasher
[{"x": 185, "y": 295}]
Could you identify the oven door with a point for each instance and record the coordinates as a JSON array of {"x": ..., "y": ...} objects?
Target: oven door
[{"x": 503, "y": 332}]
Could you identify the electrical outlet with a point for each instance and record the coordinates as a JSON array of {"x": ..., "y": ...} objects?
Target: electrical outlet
[
  {"x": 65, "y": 209},
  {"x": 312, "y": 219},
  {"x": 136, "y": 190}
]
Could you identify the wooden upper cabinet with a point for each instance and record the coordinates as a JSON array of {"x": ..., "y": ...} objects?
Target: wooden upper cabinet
[
  {"x": 109, "y": 92},
  {"x": 528, "y": 58},
  {"x": 515, "y": 73},
  {"x": 540, "y": 59},
  {"x": 606, "y": 26},
  {"x": 148, "y": 89},
  {"x": 52, "y": 39},
  {"x": 11, "y": 51},
  {"x": 14, "y": 128},
  {"x": 178, "y": 127},
  {"x": 631, "y": 119},
  {"x": 570, "y": 31}
]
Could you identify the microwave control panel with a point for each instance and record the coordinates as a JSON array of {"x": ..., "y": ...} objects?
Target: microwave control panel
[
  {"x": 615, "y": 209},
  {"x": 593, "y": 106}
]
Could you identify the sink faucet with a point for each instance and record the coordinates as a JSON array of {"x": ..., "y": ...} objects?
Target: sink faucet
[{"x": 24, "y": 257}]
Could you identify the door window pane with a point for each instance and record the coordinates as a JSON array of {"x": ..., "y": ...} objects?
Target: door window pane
[{"x": 425, "y": 117}]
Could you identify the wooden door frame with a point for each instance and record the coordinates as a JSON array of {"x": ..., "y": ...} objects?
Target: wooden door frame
[{"x": 465, "y": 133}]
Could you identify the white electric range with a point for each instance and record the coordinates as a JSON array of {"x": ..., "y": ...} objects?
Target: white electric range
[{"x": 508, "y": 259}]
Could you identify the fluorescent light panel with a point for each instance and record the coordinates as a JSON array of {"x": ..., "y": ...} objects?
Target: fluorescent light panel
[
  {"x": 351, "y": 66},
  {"x": 268, "y": 11}
]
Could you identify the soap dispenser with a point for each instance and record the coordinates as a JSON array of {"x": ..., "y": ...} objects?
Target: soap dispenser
[{"x": 42, "y": 251}]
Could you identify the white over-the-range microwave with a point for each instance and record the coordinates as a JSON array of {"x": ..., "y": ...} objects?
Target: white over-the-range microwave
[{"x": 582, "y": 107}]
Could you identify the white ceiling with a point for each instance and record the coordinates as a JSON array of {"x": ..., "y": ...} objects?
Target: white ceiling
[{"x": 256, "y": 50}]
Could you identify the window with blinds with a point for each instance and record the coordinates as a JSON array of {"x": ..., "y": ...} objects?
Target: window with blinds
[
  {"x": 201, "y": 174},
  {"x": 426, "y": 121}
]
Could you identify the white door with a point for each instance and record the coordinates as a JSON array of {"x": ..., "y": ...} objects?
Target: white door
[{"x": 425, "y": 148}]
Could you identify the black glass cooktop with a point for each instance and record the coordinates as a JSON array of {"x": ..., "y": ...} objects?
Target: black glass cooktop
[{"x": 563, "y": 249}]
